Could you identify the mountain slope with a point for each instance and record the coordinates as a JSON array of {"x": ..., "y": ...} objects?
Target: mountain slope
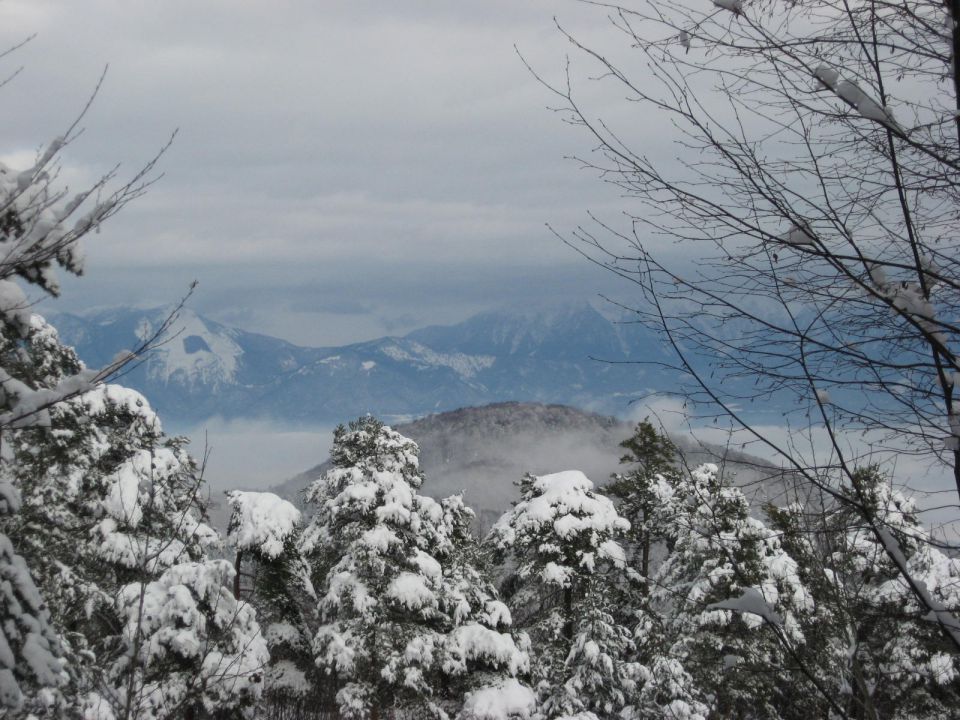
[{"x": 483, "y": 451}]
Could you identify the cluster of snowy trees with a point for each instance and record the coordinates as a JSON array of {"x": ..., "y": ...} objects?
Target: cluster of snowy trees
[
  {"x": 673, "y": 597},
  {"x": 817, "y": 191},
  {"x": 823, "y": 178}
]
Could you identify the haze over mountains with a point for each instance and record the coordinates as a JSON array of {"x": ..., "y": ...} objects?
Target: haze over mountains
[
  {"x": 571, "y": 355},
  {"x": 483, "y": 451}
]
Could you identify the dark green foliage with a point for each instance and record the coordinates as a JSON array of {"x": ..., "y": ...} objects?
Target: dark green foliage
[{"x": 654, "y": 455}]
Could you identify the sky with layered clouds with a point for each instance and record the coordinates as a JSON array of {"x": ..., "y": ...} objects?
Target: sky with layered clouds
[{"x": 342, "y": 169}]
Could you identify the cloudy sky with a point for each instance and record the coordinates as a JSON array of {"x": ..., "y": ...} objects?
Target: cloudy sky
[{"x": 342, "y": 169}]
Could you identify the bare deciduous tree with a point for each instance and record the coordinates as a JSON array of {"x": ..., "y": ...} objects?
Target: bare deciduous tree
[{"x": 817, "y": 186}]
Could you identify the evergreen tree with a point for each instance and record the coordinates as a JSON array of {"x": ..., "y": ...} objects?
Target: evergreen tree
[
  {"x": 653, "y": 456},
  {"x": 876, "y": 647},
  {"x": 265, "y": 532},
  {"x": 30, "y": 656},
  {"x": 100, "y": 506},
  {"x": 109, "y": 607},
  {"x": 39, "y": 233},
  {"x": 400, "y": 615},
  {"x": 111, "y": 511},
  {"x": 729, "y": 604},
  {"x": 563, "y": 537},
  {"x": 34, "y": 240},
  {"x": 478, "y": 649},
  {"x": 187, "y": 646}
]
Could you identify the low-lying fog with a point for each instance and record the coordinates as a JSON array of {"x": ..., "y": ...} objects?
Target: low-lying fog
[{"x": 481, "y": 452}]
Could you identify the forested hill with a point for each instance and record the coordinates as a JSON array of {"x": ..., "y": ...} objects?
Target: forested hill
[{"x": 484, "y": 451}]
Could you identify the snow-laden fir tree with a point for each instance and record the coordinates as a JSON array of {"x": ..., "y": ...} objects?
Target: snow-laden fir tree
[
  {"x": 271, "y": 573},
  {"x": 108, "y": 605},
  {"x": 652, "y": 461},
  {"x": 876, "y": 648},
  {"x": 404, "y": 618},
  {"x": 112, "y": 523},
  {"x": 563, "y": 537},
  {"x": 728, "y": 604},
  {"x": 78, "y": 476},
  {"x": 479, "y": 652},
  {"x": 40, "y": 230},
  {"x": 187, "y": 644},
  {"x": 189, "y": 647}
]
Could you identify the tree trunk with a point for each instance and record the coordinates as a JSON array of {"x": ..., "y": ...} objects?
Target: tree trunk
[
  {"x": 865, "y": 708},
  {"x": 236, "y": 577},
  {"x": 954, "y": 7},
  {"x": 645, "y": 555}
]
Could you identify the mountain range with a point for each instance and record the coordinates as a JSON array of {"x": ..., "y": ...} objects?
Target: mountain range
[{"x": 573, "y": 355}]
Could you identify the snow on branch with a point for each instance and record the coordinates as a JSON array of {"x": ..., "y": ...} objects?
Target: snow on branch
[
  {"x": 750, "y": 601},
  {"x": 261, "y": 521},
  {"x": 507, "y": 700},
  {"x": 854, "y": 96},
  {"x": 938, "y": 612},
  {"x": 734, "y": 6},
  {"x": 799, "y": 234}
]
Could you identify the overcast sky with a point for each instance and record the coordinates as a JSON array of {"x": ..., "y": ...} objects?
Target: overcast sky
[{"x": 342, "y": 170}]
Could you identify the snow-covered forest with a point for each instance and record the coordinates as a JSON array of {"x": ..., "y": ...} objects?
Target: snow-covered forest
[
  {"x": 824, "y": 186},
  {"x": 671, "y": 597}
]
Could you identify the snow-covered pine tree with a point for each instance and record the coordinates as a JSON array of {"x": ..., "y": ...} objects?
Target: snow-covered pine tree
[
  {"x": 729, "y": 605},
  {"x": 68, "y": 473},
  {"x": 102, "y": 523},
  {"x": 403, "y": 614},
  {"x": 877, "y": 650},
  {"x": 30, "y": 657},
  {"x": 478, "y": 650},
  {"x": 378, "y": 589},
  {"x": 188, "y": 648},
  {"x": 639, "y": 493},
  {"x": 271, "y": 573},
  {"x": 39, "y": 361},
  {"x": 563, "y": 536},
  {"x": 112, "y": 517},
  {"x": 39, "y": 232}
]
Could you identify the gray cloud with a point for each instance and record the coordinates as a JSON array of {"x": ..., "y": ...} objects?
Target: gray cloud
[
  {"x": 323, "y": 305},
  {"x": 344, "y": 137},
  {"x": 333, "y": 306}
]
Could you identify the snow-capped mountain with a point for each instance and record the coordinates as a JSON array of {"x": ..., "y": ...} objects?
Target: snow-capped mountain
[
  {"x": 571, "y": 355},
  {"x": 203, "y": 356}
]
